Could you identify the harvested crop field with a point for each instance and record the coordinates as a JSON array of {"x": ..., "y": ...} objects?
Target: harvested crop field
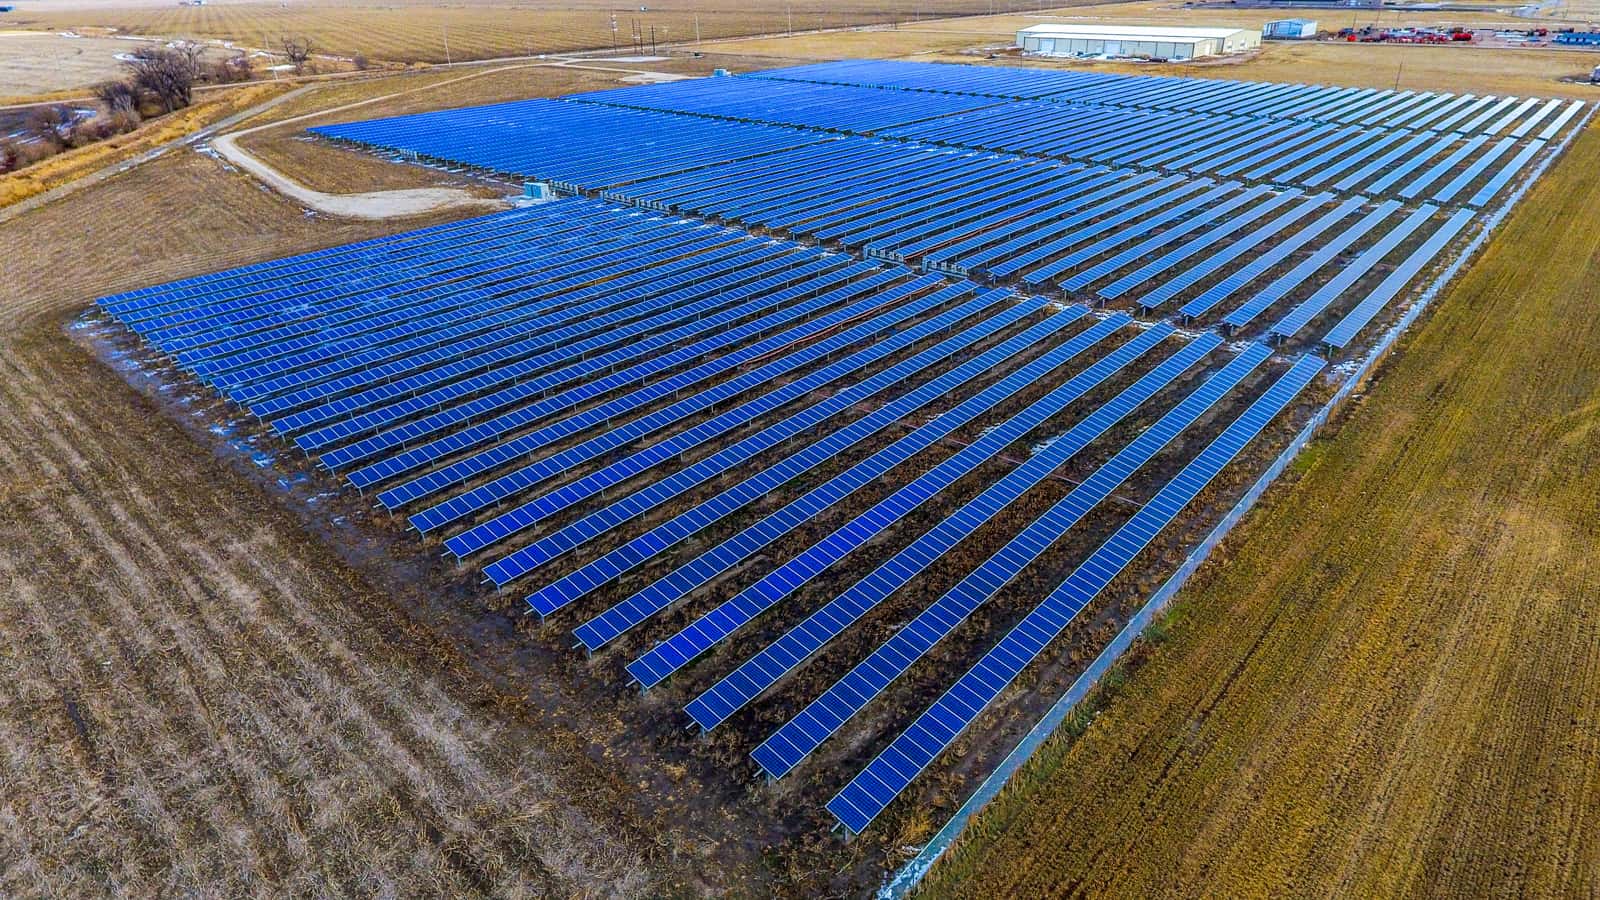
[
  {"x": 421, "y": 32},
  {"x": 206, "y": 699},
  {"x": 34, "y": 62},
  {"x": 1385, "y": 684}
]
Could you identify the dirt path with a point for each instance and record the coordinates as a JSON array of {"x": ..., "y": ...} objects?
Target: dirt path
[{"x": 383, "y": 204}]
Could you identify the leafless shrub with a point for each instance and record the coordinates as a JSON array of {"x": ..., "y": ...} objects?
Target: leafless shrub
[
  {"x": 117, "y": 96},
  {"x": 52, "y": 124},
  {"x": 298, "y": 50},
  {"x": 231, "y": 70}
]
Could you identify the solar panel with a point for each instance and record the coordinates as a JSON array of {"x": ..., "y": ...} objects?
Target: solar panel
[
  {"x": 1324, "y": 296},
  {"x": 761, "y": 671},
  {"x": 819, "y": 289},
  {"x": 1286, "y": 283},
  {"x": 620, "y": 559},
  {"x": 530, "y": 513},
  {"x": 1357, "y": 319},
  {"x": 668, "y": 656},
  {"x": 669, "y": 589},
  {"x": 915, "y": 748},
  {"x": 1215, "y": 262},
  {"x": 1507, "y": 172},
  {"x": 781, "y": 752}
]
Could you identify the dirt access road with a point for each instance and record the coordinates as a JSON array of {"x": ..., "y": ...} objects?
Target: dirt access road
[{"x": 384, "y": 204}]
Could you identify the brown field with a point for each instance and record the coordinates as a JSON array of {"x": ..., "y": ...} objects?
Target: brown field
[
  {"x": 217, "y": 698},
  {"x": 1453, "y": 68},
  {"x": 198, "y": 695},
  {"x": 411, "y": 30},
  {"x": 1386, "y": 682},
  {"x": 34, "y": 62}
]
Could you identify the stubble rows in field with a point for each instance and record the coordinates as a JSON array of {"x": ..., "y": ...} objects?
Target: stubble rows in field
[{"x": 1383, "y": 685}]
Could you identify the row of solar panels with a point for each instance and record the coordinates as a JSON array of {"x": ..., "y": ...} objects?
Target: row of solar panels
[
  {"x": 825, "y": 106},
  {"x": 1074, "y": 227},
  {"x": 806, "y": 384},
  {"x": 667, "y": 128},
  {"x": 1346, "y": 158},
  {"x": 1417, "y": 110},
  {"x": 382, "y": 380}
]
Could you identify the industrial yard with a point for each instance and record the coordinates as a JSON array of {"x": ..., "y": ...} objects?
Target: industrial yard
[{"x": 787, "y": 475}]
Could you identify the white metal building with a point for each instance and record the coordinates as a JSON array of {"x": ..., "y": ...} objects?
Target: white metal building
[
  {"x": 1291, "y": 29},
  {"x": 1162, "y": 41}
]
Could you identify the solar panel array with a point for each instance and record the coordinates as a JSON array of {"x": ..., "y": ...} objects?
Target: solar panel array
[
  {"x": 727, "y": 418},
  {"x": 1309, "y": 137}
]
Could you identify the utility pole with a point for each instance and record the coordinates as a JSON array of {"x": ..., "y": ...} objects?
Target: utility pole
[
  {"x": 697, "y": 28},
  {"x": 1397, "y": 71},
  {"x": 447, "y": 63},
  {"x": 789, "y": 7}
]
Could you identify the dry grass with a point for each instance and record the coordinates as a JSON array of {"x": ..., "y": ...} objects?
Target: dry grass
[
  {"x": 75, "y": 164},
  {"x": 417, "y": 31},
  {"x": 197, "y": 696},
  {"x": 33, "y": 63},
  {"x": 1385, "y": 685}
]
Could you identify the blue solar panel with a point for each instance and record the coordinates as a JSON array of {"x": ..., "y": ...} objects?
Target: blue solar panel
[
  {"x": 781, "y": 752},
  {"x": 822, "y": 287},
  {"x": 1507, "y": 172},
  {"x": 376, "y": 398},
  {"x": 774, "y": 309},
  {"x": 1348, "y": 327},
  {"x": 1323, "y": 297},
  {"x": 915, "y": 748},
  {"x": 668, "y": 656},
  {"x": 544, "y": 505},
  {"x": 765, "y": 668},
  {"x": 615, "y": 562},
  {"x": 1472, "y": 172},
  {"x": 669, "y": 589},
  {"x": 638, "y": 503},
  {"x": 1284, "y": 284},
  {"x": 1228, "y": 228},
  {"x": 1218, "y": 260}
]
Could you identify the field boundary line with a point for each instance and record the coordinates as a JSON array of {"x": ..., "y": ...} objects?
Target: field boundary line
[{"x": 912, "y": 872}]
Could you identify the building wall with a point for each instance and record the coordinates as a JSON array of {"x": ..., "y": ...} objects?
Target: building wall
[
  {"x": 1290, "y": 29},
  {"x": 1098, "y": 46},
  {"x": 1176, "y": 49}
]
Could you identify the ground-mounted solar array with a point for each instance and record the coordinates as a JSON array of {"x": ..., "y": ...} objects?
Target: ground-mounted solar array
[
  {"x": 799, "y": 414},
  {"x": 1235, "y": 210}
]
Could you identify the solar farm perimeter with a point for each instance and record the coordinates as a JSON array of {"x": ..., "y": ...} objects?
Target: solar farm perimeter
[{"x": 851, "y": 407}]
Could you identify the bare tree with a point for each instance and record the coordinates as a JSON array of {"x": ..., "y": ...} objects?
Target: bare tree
[
  {"x": 190, "y": 53},
  {"x": 118, "y": 97},
  {"x": 167, "y": 74},
  {"x": 298, "y": 50}
]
